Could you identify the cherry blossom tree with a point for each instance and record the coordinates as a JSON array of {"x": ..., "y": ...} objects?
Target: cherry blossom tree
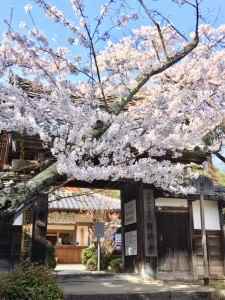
[{"x": 120, "y": 110}]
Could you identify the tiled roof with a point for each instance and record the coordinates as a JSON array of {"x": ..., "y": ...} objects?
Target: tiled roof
[{"x": 63, "y": 200}]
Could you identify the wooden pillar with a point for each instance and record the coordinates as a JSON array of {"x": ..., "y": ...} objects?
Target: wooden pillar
[
  {"x": 149, "y": 232},
  {"x": 190, "y": 211},
  {"x": 204, "y": 242},
  {"x": 39, "y": 230},
  {"x": 122, "y": 198},
  {"x": 140, "y": 262},
  {"x": 5, "y": 141},
  {"x": 130, "y": 251},
  {"x": 222, "y": 224},
  {"x": 139, "y": 226}
]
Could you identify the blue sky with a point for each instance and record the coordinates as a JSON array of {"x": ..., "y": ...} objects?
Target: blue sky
[{"x": 212, "y": 10}]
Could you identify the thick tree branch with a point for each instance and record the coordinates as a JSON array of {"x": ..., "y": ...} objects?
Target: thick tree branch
[
  {"x": 22, "y": 194},
  {"x": 143, "y": 79}
]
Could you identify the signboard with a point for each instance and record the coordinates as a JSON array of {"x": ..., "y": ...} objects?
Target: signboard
[
  {"x": 130, "y": 215},
  {"x": 99, "y": 230},
  {"x": 118, "y": 241},
  {"x": 131, "y": 243},
  {"x": 149, "y": 224}
]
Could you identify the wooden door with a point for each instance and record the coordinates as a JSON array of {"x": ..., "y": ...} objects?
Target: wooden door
[{"x": 173, "y": 245}]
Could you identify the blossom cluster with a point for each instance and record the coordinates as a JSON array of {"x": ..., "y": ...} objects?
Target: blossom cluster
[{"x": 173, "y": 112}]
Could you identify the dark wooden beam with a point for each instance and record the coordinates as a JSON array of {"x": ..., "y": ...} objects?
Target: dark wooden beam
[
  {"x": 222, "y": 225},
  {"x": 39, "y": 229},
  {"x": 204, "y": 242},
  {"x": 122, "y": 196},
  {"x": 98, "y": 184},
  {"x": 191, "y": 239}
]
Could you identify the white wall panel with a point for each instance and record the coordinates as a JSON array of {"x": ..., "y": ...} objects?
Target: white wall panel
[{"x": 212, "y": 219}]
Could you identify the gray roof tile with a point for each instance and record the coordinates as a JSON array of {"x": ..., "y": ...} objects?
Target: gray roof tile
[{"x": 90, "y": 201}]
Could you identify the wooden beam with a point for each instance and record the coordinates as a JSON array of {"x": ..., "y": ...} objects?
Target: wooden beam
[
  {"x": 140, "y": 230},
  {"x": 5, "y": 141},
  {"x": 39, "y": 229},
  {"x": 204, "y": 245},
  {"x": 192, "y": 258},
  {"x": 150, "y": 232},
  {"x": 122, "y": 196},
  {"x": 222, "y": 224}
]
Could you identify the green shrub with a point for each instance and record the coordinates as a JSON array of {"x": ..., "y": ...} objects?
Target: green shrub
[
  {"x": 87, "y": 254},
  {"x": 115, "y": 265},
  {"x": 92, "y": 263},
  {"x": 29, "y": 282}
]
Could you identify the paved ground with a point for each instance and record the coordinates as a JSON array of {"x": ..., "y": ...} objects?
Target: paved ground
[
  {"x": 80, "y": 284},
  {"x": 123, "y": 284},
  {"x": 70, "y": 270},
  {"x": 76, "y": 280}
]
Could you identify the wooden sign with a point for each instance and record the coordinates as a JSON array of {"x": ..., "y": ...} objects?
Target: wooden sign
[
  {"x": 130, "y": 215},
  {"x": 149, "y": 224},
  {"x": 131, "y": 243}
]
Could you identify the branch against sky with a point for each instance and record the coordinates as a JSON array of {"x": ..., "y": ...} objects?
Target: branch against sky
[
  {"x": 117, "y": 111},
  {"x": 168, "y": 61},
  {"x": 54, "y": 66}
]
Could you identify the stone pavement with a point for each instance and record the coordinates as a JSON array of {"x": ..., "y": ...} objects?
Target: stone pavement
[
  {"x": 126, "y": 287},
  {"x": 64, "y": 269},
  {"x": 73, "y": 270}
]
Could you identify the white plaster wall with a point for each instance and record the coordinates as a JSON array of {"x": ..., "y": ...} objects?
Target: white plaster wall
[{"x": 212, "y": 219}]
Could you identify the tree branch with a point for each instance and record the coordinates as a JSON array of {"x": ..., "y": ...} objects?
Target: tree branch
[
  {"x": 143, "y": 79},
  {"x": 221, "y": 157},
  {"x": 157, "y": 27},
  {"x": 22, "y": 194},
  {"x": 95, "y": 59}
]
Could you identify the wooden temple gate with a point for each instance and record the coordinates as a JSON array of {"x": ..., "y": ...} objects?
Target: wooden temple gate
[
  {"x": 161, "y": 240},
  {"x": 164, "y": 237}
]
